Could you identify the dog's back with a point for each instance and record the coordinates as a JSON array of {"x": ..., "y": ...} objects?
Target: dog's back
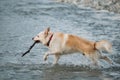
[
  {"x": 80, "y": 44},
  {"x": 68, "y": 43}
]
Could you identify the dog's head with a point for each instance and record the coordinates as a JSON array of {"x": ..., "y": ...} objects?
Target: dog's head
[{"x": 43, "y": 37}]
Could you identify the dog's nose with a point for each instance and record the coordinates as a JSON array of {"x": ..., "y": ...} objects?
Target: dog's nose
[{"x": 32, "y": 38}]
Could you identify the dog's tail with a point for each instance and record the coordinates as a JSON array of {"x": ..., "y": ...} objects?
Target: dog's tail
[{"x": 103, "y": 45}]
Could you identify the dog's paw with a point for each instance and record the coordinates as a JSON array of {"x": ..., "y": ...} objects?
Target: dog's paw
[{"x": 45, "y": 58}]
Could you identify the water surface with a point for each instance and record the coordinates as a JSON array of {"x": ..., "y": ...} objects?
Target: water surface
[{"x": 20, "y": 20}]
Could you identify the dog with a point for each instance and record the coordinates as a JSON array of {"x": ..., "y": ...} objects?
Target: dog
[{"x": 61, "y": 44}]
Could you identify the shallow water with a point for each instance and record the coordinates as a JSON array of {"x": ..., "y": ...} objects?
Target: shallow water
[{"x": 20, "y": 20}]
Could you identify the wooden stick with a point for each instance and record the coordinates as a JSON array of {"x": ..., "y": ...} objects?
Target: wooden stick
[{"x": 29, "y": 49}]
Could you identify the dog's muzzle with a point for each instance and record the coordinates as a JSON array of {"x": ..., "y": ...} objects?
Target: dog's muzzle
[{"x": 37, "y": 41}]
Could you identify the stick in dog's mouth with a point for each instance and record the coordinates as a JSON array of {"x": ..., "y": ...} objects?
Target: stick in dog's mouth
[{"x": 30, "y": 48}]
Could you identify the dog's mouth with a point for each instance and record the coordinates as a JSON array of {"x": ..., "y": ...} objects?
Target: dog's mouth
[{"x": 37, "y": 41}]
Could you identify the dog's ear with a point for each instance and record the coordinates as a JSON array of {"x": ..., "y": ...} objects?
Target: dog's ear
[{"x": 47, "y": 30}]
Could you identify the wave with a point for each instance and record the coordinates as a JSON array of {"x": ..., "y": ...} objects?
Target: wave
[{"x": 110, "y": 5}]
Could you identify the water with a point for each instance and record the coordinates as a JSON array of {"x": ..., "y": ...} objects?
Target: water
[{"x": 20, "y": 20}]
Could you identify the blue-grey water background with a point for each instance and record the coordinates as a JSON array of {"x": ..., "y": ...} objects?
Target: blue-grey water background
[{"x": 20, "y": 20}]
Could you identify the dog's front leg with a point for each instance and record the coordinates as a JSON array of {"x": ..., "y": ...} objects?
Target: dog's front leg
[
  {"x": 56, "y": 53},
  {"x": 57, "y": 57}
]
